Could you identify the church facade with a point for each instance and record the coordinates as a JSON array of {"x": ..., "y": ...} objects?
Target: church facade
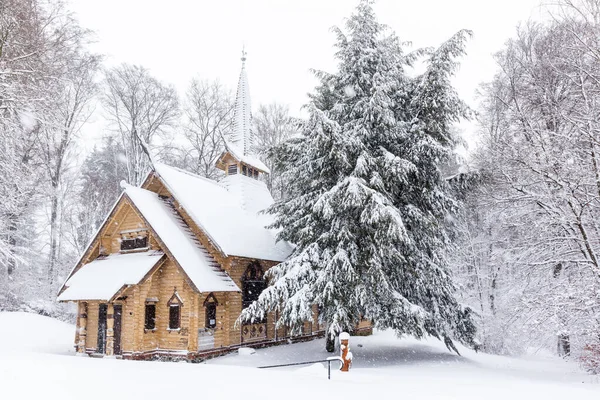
[{"x": 178, "y": 258}]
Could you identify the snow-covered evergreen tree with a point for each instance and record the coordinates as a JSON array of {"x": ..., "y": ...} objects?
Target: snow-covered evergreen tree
[{"x": 367, "y": 203}]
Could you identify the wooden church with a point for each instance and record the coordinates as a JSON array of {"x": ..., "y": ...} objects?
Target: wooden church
[{"x": 178, "y": 258}]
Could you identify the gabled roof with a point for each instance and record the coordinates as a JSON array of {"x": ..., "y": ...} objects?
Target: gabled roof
[
  {"x": 244, "y": 158},
  {"x": 104, "y": 277},
  {"x": 89, "y": 247},
  {"x": 234, "y": 228},
  {"x": 203, "y": 271}
]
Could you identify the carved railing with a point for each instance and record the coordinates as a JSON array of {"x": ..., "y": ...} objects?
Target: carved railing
[{"x": 254, "y": 332}]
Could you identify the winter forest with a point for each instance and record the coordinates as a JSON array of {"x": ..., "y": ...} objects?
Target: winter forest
[{"x": 497, "y": 248}]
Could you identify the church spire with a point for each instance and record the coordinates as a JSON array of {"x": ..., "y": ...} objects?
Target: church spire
[
  {"x": 240, "y": 148},
  {"x": 242, "y": 136}
]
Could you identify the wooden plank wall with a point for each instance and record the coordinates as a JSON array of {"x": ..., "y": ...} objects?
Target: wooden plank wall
[{"x": 91, "y": 340}]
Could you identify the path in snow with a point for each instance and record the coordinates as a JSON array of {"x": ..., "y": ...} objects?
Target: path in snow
[{"x": 34, "y": 366}]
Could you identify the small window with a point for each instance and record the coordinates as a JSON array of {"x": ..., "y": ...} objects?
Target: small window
[
  {"x": 232, "y": 169},
  {"x": 174, "y": 316},
  {"x": 244, "y": 170},
  {"x": 255, "y": 174},
  {"x": 135, "y": 243},
  {"x": 211, "y": 315},
  {"x": 175, "y": 303},
  {"x": 210, "y": 305},
  {"x": 150, "y": 319}
]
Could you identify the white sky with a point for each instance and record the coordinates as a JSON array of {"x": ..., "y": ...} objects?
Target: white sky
[{"x": 180, "y": 39}]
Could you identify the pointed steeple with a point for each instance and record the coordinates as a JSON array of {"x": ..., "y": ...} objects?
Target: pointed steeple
[
  {"x": 240, "y": 152},
  {"x": 242, "y": 136}
]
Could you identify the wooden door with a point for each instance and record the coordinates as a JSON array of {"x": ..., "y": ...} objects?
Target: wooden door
[
  {"x": 101, "y": 347},
  {"x": 118, "y": 310}
]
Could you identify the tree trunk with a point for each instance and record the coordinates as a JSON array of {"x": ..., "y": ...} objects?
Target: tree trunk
[
  {"x": 330, "y": 343},
  {"x": 52, "y": 259},
  {"x": 12, "y": 242}
]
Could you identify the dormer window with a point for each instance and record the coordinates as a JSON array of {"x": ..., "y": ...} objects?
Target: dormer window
[
  {"x": 232, "y": 169},
  {"x": 255, "y": 174},
  {"x": 244, "y": 170}
]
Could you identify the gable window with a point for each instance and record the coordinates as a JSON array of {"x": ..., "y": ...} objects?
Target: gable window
[
  {"x": 175, "y": 303},
  {"x": 210, "y": 305},
  {"x": 150, "y": 316},
  {"x": 253, "y": 283},
  {"x": 232, "y": 169},
  {"x": 134, "y": 243}
]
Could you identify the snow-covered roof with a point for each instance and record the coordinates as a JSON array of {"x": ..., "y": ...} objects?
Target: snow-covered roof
[
  {"x": 233, "y": 227},
  {"x": 251, "y": 194},
  {"x": 93, "y": 239},
  {"x": 204, "y": 272},
  {"x": 245, "y": 158},
  {"x": 104, "y": 277}
]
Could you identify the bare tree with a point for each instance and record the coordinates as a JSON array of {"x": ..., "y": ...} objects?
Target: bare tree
[
  {"x": 62, "y": 123},
  {"x": 139, "y": 107},
  {"x": 46, "y": 83},
  {"x": 273, "y": 126},
  {"x": 208, "y": 117},
  {"x": 529, "y": 253}
]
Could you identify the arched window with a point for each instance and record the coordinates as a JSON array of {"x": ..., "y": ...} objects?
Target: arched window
[
  {"x": 210, "y": 305},
  {"x": 253, "y": 283}
]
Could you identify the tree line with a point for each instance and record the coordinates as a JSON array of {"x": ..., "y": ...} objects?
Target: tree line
[
  {"x": 500, "y": 251},
  {"x": 54, "y": 193},
  {"x": 528, "y": 236}
]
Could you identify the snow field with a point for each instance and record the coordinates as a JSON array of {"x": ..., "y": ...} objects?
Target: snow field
[{"x": 37, "y": 361}]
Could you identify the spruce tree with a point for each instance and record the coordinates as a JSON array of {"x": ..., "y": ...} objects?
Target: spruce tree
[{"x": 367, "y": 203}]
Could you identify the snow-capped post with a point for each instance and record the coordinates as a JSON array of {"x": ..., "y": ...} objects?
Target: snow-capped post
[{"x": 345, "y": 351}]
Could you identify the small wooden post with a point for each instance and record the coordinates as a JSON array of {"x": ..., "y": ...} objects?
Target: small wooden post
[
  {"x": 345, "y": 351},
  {"x": 82, "y": 327},
  {"x": 110, "y": 332}
]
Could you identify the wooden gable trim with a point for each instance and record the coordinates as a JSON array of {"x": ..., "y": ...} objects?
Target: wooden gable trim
[
  {"x": 210, "y": 299},
  {"x": 175, "y": 299},
  {"x": 162, "y": 244},
  {"x": 94, "y": 242}
]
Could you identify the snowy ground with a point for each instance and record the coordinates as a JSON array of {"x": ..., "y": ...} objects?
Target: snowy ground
[{"x": 384, "y": 367}]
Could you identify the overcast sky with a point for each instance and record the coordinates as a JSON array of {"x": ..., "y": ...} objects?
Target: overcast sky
[{"x": 180, "y": 39}]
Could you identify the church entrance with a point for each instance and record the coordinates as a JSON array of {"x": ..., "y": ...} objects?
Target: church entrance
[{"x": 253, "y": 283}]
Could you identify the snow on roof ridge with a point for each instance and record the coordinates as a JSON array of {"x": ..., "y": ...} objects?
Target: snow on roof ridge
[{"x": 189, "y": 173}]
